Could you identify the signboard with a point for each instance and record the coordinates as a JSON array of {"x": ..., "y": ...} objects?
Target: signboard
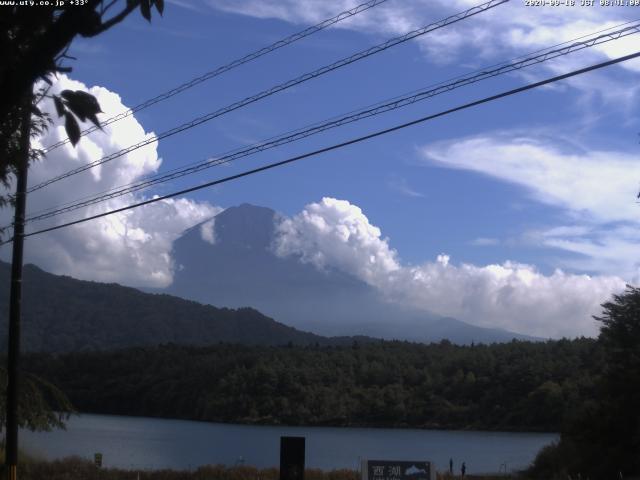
[
  {"x": 97, "y": 458},
  {"x": 397, "y": 470}
]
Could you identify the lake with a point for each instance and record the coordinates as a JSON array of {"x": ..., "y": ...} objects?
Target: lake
[{"x": 151, "y": 443}]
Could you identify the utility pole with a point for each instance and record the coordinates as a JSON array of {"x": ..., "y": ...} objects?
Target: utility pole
[{"x": 11, "y": 440}]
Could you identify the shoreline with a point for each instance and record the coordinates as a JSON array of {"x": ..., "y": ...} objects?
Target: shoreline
[
  {"x": 185, "y": 444},
  {"x": 399, "y": 426}
]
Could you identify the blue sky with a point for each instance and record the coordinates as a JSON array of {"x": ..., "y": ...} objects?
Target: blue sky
[{"x": 545, "y": 180}]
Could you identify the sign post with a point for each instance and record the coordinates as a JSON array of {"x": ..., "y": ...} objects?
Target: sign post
[{"x": 292, "y": 458}]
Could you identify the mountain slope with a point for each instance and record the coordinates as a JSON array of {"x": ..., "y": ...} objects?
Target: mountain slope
[
  {"x": 231, "y": 263},
  {"x": 64, "y": 314}
]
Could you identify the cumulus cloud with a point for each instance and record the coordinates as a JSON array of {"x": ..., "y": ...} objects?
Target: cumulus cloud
[
  {"x": 130, "y": 247},
  {"x": 335, "y": 233},
  {"x": 511, "y": 295}
]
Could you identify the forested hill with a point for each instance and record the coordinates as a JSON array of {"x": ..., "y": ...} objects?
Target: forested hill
[
  {"x": 512, "y": 386},
  {"x": 62, "y": 314}
]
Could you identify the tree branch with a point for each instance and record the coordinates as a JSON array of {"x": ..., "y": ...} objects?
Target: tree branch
[
  {"x": 131, "y": 6},
  {"x": 107, "y": 7},
  {"x": 37, "y": 61}
]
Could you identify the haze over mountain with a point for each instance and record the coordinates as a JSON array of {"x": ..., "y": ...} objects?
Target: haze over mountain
[
  {"x": 62, "y": 314},
  {"x": 230, "y": 261}
]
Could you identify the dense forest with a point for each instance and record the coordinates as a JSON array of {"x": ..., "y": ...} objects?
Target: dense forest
[{"x": 513, "y": 386}]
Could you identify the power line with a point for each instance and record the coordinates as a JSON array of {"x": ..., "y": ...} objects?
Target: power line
[
  {"x": 341, "y": 145},
  {"x": 278, "y": 88},
  {"x": 229, "y": 66},
  {"x": 381, "y": 107}
]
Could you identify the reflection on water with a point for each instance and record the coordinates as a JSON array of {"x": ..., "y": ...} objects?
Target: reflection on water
[{"x": 150, "y": 443}]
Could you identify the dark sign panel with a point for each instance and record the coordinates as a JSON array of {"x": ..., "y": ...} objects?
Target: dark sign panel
[
  {"x": 398, "y": 470},
  {"x": 291, "y": 458}
]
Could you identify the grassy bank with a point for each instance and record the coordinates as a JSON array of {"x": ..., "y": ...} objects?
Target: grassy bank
[{"x": 81, "y": 469}]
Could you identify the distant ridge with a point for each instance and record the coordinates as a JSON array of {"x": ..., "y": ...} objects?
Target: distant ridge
[{"x": 62, "y": 314}]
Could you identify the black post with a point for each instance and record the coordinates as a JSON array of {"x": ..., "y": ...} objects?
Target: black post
[
  {"x": 11, "y": 442},
  {"x": 292, "y": 458}
]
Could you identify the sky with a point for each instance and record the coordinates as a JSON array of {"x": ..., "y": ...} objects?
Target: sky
[{"x": 520, "y": 213}]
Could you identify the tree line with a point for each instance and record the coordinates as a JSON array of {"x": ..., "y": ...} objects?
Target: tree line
[{"x": 514, "y": 386}]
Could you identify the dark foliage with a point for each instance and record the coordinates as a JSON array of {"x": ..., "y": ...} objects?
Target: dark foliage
[
  {"x": 64, "y": 314},
  {"x": 41, "y": 407},
  {"x": 601, "y": 439},
  {"x": 514, "y": 386},
  {"x": 34, "y": 42}
]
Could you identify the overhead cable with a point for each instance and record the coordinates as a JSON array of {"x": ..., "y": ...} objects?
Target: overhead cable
[
  {"x": 339, "y": 145},
  {"x": 278, "y": 88},
  {"x": 382, "y": 107},
  {"x": 229, "y": 66}
]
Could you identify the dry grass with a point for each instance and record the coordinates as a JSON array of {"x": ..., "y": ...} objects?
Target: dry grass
[
  {"x": 80, "y": 469},
  {"x": 448, "y": 476}
]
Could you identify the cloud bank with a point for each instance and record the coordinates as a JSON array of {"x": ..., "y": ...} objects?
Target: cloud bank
[
  {"x": 131, "y": 247},
  {"x": 335, "y": 233}
]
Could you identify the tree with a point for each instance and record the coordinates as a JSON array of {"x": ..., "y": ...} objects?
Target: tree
[
  {"x": 620, "y": 338},
  {"x": 34, "y": 42},
  {"x": 601, "y": 439},
  {"x": 43, "y": 406}
]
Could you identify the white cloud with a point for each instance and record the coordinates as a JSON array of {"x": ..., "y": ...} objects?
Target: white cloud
[
  {"x": 501, "y": 33},
  {"x": 386, "y": 18},
  {"x": 335, "y": 233},
  {"x": 512, "y": 296},
  {"x": 187, "y": 4},
  {"x": 131, "y": 247},
  {"x": 484, "y": 242},
  {"x": 606, "y": 249},
  {"x": 401, "y": 185},
  {"x": 599, "y": 185},
  {"x": 505, "y": 29},
  {"x": 207, "y": 231},
  {"x": 596, "y": 189}
]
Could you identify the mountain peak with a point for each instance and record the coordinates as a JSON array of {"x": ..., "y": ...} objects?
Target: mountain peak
[
  {"x": 246, "y": 212},
  {"x": 245, "y": 225}
]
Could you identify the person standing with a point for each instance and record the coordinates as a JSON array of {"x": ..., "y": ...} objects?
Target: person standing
[
  {"x": 451, "y": 466},
  {"x": 463, "y": 469}
]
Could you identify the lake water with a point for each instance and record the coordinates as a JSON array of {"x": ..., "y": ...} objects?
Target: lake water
[{"x": 150, "y": 443}]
